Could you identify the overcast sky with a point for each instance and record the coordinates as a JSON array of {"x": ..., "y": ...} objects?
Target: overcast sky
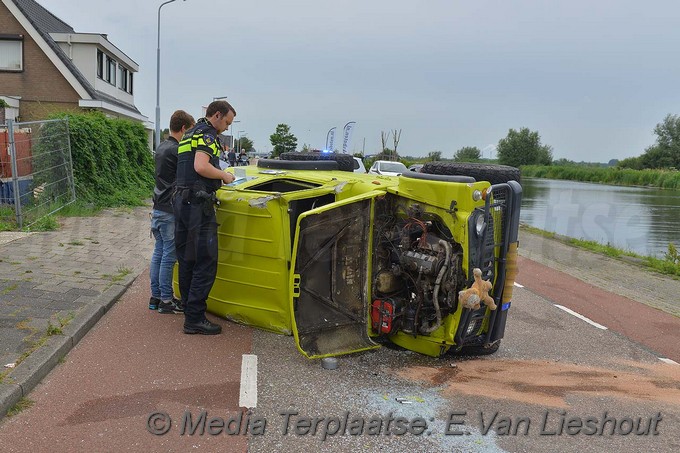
[{"x": 592, "y": 77}]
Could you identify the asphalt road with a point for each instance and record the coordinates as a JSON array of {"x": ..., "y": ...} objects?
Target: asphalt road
[{"x": 552, "y": 366}]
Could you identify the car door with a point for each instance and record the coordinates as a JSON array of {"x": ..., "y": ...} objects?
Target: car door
[{"x": 329, "y": 278}]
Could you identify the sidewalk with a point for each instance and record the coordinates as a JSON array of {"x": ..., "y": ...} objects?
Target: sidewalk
[{"x": 62, "y": 282}]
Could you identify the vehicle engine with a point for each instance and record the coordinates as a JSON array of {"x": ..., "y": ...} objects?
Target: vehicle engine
[{"x": 417, "y": 275}]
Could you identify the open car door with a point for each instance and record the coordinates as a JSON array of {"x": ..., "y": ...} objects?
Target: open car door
[{"x": 331, "y": 260}]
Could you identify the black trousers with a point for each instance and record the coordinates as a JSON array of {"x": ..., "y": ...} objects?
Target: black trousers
[{"x": 196, "y": 246}]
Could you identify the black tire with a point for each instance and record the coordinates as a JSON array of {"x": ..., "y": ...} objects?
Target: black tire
[
  {"x": 495, "y": 174},
  {"x": 345, "y": 161},
  {"x": 443, "y": 178},
  {"x": 479, "y": 350},
  {"x": 275, "y": 164}
]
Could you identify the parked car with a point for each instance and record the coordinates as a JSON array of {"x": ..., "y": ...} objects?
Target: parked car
[
  {"x": 346, "y": 263},
  {"x": 359, "y": 165},
  {"x": 387, "y": 168}
]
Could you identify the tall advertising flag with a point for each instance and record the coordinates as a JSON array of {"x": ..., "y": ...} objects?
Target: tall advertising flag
[
  {"x": 330, "y": 140},
  {"x": 347, "y": 135}
]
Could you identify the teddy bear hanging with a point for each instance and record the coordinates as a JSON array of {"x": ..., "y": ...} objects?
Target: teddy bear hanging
[{"x": 477, "y": 293}]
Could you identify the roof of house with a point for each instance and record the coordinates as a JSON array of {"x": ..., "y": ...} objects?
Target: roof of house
[
  {"x": 42, "y": 18},
  {"x": 45, "y": 23}
]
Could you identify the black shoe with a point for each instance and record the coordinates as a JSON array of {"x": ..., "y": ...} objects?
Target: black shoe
[
  {"x": 173, "y": 306},
  {"x": 153, "y": 303},
  {"x": 204, "y": 327}
]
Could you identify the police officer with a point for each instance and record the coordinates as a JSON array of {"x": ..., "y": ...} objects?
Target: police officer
[{"x": 198, "y": 178}]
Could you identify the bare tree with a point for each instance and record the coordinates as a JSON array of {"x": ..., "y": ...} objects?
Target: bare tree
[
  {"x": 384, "y": 136},
  {"x": 396, "y": 135}
]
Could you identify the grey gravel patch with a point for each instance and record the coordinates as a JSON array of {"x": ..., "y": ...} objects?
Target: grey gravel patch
[{"x": 364, "y": 385}]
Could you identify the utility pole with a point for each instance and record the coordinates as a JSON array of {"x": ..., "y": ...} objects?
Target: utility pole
[{"x": 157, "y": 139}]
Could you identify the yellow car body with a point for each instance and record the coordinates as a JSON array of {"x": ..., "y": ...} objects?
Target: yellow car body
[{"x": 346, "y": 261}]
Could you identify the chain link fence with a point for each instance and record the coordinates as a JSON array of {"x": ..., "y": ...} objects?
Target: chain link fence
[{"x": 36, "y": 171}]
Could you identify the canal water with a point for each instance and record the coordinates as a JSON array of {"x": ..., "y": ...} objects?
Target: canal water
[{"x": 638, "y": 219}]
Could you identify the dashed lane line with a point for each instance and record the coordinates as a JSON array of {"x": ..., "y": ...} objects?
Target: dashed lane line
[
  {"x": 668, "y": 361},
  {"x": 518, "y": 285},
  {"x": 248, "y": 393},
  {"x": 580, "y": 316}
]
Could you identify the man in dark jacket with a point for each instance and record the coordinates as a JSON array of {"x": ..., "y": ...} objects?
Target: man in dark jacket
[
  {"x": 231, "y": 155},
  {"x": 163, "y": 219}
]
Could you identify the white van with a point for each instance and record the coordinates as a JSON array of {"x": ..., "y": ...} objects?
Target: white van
[{"x": 359, "y": 165}]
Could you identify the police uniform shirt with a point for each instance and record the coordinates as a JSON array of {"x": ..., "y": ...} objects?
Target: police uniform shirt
[{"x": 203, "y": 138}]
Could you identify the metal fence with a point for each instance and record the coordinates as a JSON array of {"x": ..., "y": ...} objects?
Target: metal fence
[{"x": 36, "y": 171}]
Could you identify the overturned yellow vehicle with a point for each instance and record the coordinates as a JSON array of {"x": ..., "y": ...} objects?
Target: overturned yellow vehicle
[{"x": 346, "y": 261}]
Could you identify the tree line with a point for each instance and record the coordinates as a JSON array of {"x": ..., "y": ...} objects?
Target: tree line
[{"x": 524, "y": 147}]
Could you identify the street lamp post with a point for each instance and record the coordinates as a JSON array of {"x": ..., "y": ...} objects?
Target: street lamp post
[
  {"x": 231, "y": 131},
  {"x": 158, "y": 78},
  {"x": 239, "y": 138}
]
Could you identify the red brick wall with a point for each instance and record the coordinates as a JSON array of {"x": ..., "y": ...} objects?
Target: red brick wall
[{"x": 40, "y": 83}]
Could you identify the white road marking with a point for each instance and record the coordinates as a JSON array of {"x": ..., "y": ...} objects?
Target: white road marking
[
  {"x": 580, "y": 316},
  {"x": 518, "y": 285},
  {"x": 248, "y": 395},
  {"x": 668, "y": 361}
]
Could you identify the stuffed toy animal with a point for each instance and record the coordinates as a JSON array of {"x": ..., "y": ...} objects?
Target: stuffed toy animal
[{"x": 477, "y": 293}]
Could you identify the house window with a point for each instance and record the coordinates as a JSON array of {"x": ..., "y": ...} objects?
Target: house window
[
  {"x": 122, "y": 78},
  {"x": 110, "y": 70},
  {"x": 11, "y": 53},
  {"x": 100, "y": 64},
  {"x": 130, "y": 84}
]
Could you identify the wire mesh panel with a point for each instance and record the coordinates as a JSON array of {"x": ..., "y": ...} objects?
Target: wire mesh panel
[{"x": 36, "y": 171}]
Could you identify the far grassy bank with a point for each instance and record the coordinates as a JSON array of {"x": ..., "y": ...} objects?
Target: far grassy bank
[
  {"x": 667, "y": 179},
  {"x": 669, "y": 264}
]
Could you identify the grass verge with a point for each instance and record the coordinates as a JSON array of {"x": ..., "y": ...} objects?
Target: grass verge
[{"x": 23, "y": 404}]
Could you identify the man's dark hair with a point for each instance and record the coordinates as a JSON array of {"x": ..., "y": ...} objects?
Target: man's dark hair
[
  {"x": 181, "y": 118},
  {"x": 219, "y": 106}
]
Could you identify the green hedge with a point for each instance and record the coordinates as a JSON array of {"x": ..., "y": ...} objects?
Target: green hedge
[
  {"x": 112, "y": 164},
  {"x": 667, "y": 179}
]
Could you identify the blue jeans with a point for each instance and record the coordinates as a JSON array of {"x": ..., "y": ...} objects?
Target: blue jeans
[{"x": 163, "y": 258}]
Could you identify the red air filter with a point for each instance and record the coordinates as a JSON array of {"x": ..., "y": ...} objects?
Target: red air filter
[{"x": 382, "y": 316}]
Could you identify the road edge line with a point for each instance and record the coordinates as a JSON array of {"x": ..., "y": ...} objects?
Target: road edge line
[
  {"x": 581, "y": 317},
  {"x": 248, "y": 391}
]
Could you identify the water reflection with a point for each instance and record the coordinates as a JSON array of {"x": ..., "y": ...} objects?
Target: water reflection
[{"x": 642, "y": 220}]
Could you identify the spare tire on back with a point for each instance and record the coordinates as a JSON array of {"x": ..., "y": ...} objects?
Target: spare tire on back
[
  {"x": 443, "y": 178},
  {"x": 345, "y": 161},
  {"x": 277, "y": 164},
  {"x": 495, "y": 174}
]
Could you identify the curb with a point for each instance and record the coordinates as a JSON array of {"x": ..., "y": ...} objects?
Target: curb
[{"x": 30, "y": 372}]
